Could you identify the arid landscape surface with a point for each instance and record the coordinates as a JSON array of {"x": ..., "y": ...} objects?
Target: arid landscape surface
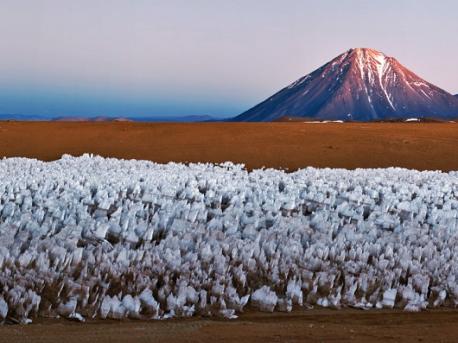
[
  {"x": 422, "y": 146},
  {"x": 299, "y": 326},
  {"x": 281, "y": 145}
]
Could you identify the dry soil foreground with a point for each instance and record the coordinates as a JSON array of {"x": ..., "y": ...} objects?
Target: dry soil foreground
[
  {"x": 308, "y": 326},
  {"x": 281, "y": 145}
]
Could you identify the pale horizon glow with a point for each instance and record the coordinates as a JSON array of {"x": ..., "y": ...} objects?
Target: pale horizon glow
[{"x": 201, "y": 57}]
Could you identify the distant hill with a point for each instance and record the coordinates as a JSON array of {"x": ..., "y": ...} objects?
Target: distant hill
[
  {"x": 359, "y": 85},
  {"x": 191, "y": 119},
  {"x": 22, "y": 117},
  {"x": 89, "y": 119}
]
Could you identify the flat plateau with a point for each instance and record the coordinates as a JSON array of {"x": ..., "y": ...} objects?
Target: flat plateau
[{"x": 422, "y": 146}]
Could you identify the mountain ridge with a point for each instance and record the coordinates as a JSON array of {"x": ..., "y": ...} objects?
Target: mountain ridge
[{"x": 359, "y": 85}]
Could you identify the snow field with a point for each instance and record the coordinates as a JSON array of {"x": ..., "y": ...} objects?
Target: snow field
[{"x": 90, "y": 237}]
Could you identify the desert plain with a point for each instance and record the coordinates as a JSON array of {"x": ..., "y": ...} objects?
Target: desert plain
[{"x": 421, "y": 146}]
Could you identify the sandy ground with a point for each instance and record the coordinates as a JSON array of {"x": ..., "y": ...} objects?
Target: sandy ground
[
  {"x": 281, "y": 145},
  {"x": 313, "y": 325}
]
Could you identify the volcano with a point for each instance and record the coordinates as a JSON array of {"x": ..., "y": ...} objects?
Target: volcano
[{"x": 358, "y": 85}]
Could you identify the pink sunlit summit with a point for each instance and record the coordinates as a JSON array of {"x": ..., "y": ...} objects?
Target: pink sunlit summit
[{"x": 362, "y": 85}]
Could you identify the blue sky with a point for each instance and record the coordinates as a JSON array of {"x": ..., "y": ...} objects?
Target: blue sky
[{"x": 172, "y": 57}]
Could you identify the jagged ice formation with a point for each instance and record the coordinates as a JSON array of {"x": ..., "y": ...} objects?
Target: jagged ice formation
[{"x": 90, "y": 237}]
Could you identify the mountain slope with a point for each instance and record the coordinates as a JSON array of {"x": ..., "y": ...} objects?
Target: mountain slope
[{"x": 361, "y": 85}]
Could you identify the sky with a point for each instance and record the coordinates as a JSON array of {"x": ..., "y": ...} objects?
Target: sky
[{"x": 201, "y": 57}]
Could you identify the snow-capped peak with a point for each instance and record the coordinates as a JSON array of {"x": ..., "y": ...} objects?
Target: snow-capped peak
[
  {"x": 372, "y": 66},
  {"x": 364, "y": 82}
]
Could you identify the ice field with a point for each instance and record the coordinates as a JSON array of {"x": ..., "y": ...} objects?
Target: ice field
[{"x": 90, "y": 237}]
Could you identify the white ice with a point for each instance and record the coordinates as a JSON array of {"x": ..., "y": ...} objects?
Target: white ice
[{"x": 90, "y": 237}]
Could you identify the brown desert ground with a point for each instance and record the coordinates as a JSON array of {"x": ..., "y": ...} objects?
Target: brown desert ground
[
  {"x": 299, "y": 326},
  {"x": 423, "y": 146}
]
